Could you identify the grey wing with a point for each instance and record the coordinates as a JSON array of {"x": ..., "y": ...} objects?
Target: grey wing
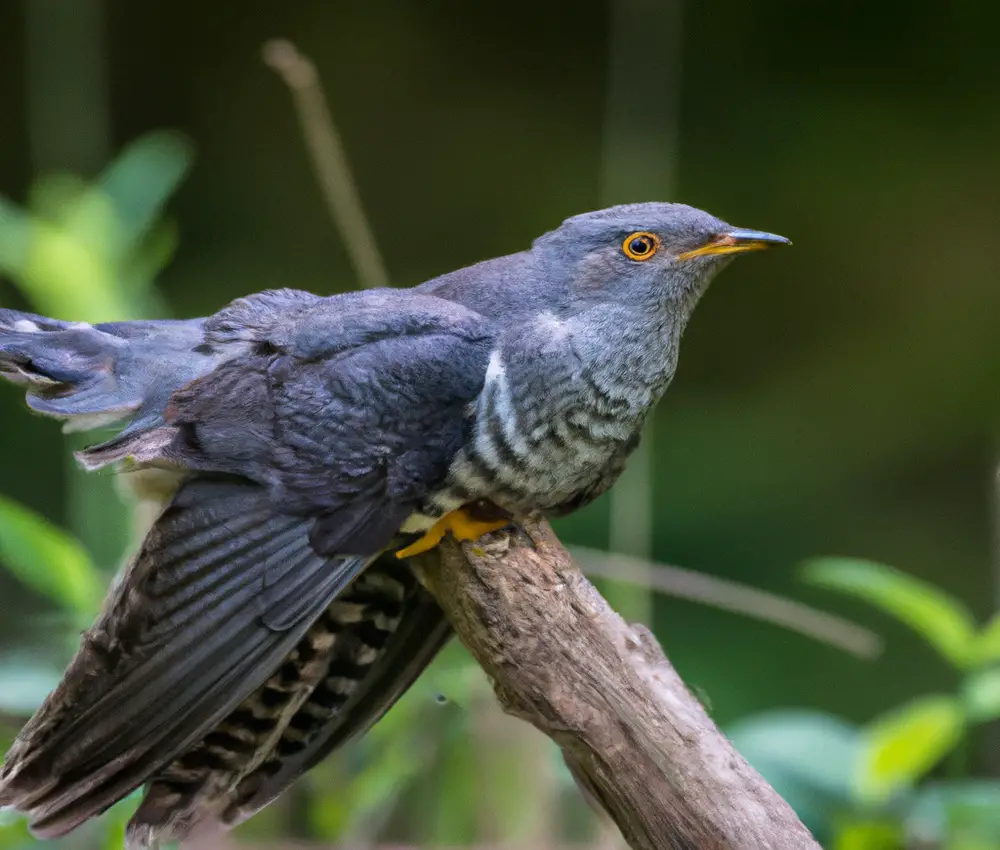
[
  {"x": 355, "y": 427},
  {"x": 355, "y": 660},
  {"x": 308, "y": 450},
  {"x": 184, "y": 639}
]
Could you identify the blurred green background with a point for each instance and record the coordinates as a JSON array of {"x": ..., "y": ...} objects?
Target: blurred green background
[{"x": 835, "y": 399}]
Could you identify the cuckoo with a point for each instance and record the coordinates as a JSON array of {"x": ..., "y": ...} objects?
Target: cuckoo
[{"x": 301, "y": 449}]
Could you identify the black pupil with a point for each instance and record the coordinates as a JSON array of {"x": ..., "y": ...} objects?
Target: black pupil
[{"x": 639, "y": 245}]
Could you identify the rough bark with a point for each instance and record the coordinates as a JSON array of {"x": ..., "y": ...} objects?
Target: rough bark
[{"x": 631, "y": 732}]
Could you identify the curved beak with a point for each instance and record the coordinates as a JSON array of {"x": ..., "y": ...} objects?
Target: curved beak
[{"x": 736, "y": 241}]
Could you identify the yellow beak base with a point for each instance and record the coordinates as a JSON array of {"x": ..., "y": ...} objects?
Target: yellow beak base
[{"x": 736, "y": 242}]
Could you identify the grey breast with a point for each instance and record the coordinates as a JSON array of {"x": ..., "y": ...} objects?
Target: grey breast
[{"x": 547, "y": 432}]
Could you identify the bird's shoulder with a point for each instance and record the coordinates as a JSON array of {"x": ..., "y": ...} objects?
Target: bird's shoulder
[
  {"x": 367, "y": 387},
  {"x": 349, "y": 354},
  {"x": 309, "y": 326}
]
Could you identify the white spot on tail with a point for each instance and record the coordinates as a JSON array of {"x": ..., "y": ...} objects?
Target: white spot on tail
[
  {"x": 89, "y": 421},
  {"x": 365, "y": 655},
  {"x": 26, "y": 326}
]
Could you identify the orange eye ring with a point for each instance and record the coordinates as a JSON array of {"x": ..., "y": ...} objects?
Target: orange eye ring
[{"x": 641, "y": 246}]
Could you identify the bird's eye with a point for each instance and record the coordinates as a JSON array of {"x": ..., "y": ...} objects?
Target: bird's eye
[{"x": 641, "y": 246}]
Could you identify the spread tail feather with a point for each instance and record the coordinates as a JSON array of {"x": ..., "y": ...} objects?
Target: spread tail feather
[
  {"x": 91, "y": 376},
  {"x": 417, "y": 634}
]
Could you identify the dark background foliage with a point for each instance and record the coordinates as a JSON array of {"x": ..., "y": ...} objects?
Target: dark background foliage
[{"x": 836, "y": 398}]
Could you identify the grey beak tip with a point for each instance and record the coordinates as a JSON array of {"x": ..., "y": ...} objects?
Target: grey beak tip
[{"x": 742, "y": 235}]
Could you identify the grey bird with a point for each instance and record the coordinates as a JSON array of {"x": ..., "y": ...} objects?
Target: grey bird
[{"x": 302, "y": 447}]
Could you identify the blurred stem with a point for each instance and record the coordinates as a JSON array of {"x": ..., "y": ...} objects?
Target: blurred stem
[
  {"x": 630, "y": 531},
  {"x": 995, "y": 516},
  {"x": 68, "y": 130},
  {"x": 639, "y": 163},
  {"x": 732, "y": 596},
  {"x": 491, "y": 754},
  {"x": 329, "y": 159},
  {"x": 991, "y": 733},
  {"x": 518, "y": 795}
]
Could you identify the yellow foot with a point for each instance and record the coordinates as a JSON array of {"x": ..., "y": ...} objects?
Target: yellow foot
[{"x": 461, "y": 524}]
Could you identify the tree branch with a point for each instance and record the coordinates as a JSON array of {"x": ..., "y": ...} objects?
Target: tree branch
[{"x": 631, "y": 732}]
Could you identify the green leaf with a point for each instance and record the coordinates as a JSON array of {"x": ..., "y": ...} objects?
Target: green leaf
[
  {"x": 939, "y": 618},
  {"x": 902, "y": 746},
  {"x": 14, "y": 833},
  {"x": 981, "y": 695},
  {"x": 88, "y": 251},
  {"x": 151, "y": 255},
  {"x": 868, "y": 835},
  {"x": 142, "y": 178},
  {"x": 987, "y": 644},
  {"x": 67, "y": 277},
  {"x": 55, "y": 197},
  {"x": 47, "y": 559},
  {"x": 15, "y": 237},
  {"x": 963, "y": 813},
  {"x": 809, "y": 757}
]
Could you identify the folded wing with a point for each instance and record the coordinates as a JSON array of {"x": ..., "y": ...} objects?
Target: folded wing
[{"x": 304, "y": 450}]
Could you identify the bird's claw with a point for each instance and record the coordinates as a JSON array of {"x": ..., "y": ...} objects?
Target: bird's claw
[{"x": 461, "y": 524}]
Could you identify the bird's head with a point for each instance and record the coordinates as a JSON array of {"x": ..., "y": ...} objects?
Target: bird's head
[{"x": 646, "y": 254}]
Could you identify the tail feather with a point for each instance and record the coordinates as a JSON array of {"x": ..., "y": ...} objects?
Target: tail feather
[
  {"x": 91, "y": 376},
  {"x": 17, "y": 320},
  {"x": 96, "y": 375},
  {"x": 322, "y": 726}
]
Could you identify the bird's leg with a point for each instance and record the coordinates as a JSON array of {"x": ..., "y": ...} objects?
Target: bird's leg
[{"x": 469, "y": 522}]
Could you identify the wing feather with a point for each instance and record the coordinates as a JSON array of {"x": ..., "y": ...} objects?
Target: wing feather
[
  {"x": 185, "y": 639},
  {"x": 326, "y": 425}
]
